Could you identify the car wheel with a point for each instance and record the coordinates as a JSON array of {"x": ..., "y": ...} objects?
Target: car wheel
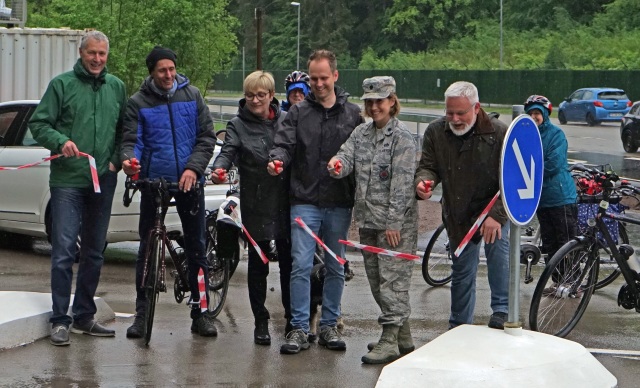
[
  {"x": 561, "y": 118},
  {"x": 627, "y": 142},
  {"x": 591, "y": 121}
]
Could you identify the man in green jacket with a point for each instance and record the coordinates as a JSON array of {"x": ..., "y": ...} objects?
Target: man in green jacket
[{"x": 80, "y": 112}]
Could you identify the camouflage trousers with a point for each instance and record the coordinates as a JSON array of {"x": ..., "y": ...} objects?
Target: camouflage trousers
[{"x": 389, "y": 277}]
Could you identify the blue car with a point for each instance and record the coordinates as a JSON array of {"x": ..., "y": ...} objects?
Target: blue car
[{"x": 594, "y": 105}]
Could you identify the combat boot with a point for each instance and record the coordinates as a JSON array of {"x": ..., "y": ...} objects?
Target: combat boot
[
  {"x": 386, "y": 350},
  {"x": 405, "y": 342}
]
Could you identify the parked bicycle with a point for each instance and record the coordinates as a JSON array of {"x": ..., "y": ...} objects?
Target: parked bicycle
[
  {"x": 567, "y": 283},
  {"x": 436, "y": 262},
  {"x": 154, "y": 274}
]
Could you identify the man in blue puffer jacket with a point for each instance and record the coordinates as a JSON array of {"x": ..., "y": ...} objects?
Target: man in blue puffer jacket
[
  {"x": 168, "y": 129},
  {"x": 557, "y": 212}
]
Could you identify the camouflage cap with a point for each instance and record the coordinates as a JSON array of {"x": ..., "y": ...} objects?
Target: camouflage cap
[{"x": 378, "y": 87}]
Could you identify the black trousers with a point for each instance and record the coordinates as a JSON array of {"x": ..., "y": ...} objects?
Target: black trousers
[
  {"x": 257, "y": 278},
  {"x": 558, "y": 225}
]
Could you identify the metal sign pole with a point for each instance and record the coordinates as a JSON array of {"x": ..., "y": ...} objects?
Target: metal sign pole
[{"x": 514, "y": 277}]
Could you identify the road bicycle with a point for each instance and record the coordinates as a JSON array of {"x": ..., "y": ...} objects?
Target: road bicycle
[
  {"x": 568, "y": 281},
  {"x": 154, "y": 274},
  {"x": 437, "y": 259},
  {"x": 223, "y": 245}
]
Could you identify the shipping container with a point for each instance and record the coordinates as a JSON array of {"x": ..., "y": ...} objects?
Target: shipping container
[{"x": 31, "y": 57}]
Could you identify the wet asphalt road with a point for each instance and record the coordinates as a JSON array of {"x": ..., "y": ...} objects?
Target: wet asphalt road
[{"x": 175, "y": 357}]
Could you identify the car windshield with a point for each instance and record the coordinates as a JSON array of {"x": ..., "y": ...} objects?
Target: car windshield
[{"x": 613, "y": 95}]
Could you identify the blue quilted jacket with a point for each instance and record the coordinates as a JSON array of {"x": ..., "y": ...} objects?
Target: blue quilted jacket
[{"x": 168, "y": 133}]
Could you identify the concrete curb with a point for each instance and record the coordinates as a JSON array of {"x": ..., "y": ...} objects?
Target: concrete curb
[{"x": 24, "y": 316}]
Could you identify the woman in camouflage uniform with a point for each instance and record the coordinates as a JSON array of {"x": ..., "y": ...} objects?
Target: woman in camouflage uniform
[{"x": 383, "y": 155}]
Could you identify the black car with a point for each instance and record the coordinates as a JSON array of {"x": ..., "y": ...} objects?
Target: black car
[{"x": 630, "y": 129}]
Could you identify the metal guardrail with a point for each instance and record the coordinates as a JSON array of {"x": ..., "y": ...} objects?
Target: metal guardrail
[{"x": 418, "y": 118}]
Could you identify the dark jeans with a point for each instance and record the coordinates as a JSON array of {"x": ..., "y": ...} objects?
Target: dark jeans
[
  {"x": 78, "y": 212},
  {"x": 193, "y": 229},
  {"x": 257, "y": 278}
]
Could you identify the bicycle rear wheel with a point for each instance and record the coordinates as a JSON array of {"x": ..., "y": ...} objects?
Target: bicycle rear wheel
[
  {"x": 564, "y": 289},
  {"x": 218, "y": 271},
  {"x": 152, "y": 275},
  {"x": 436, "y": 262},
  {"x": 609, "y": 269}
]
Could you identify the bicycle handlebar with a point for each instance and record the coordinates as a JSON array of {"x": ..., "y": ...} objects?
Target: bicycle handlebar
[{"x": 159, "y": 185}]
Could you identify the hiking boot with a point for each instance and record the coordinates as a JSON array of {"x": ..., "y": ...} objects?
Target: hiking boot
[
  {"x": 204, "y": 326},
  {"x": 497, "y": 320},
  {"x": 386, "y": 350},
  {"x": 261, "y": 333},
  {"x": 330, "y": 338},
  {"x": 59, "y": 335},
  {"x": 92, "y": 327},
  {"x": 296, "y": 340},
  {"x": 137, "y": 329},
  {"x": 405, "y": 342}
]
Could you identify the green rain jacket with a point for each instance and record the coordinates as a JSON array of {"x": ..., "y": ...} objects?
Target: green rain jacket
[{"x": 87, "y": 110}]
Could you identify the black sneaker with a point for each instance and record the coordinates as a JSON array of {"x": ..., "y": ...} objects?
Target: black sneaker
[
  {"x": 497, "y": 320},
  {"x": 261, "y": 333},
  {"x": 204, "y": 326},
  {"x": 59, "y": 335},
  {"x": 330, "y": 338},
  {"x": 296, "y": 340},
  {"x": 137, "y": 329},
  {"x": 92, "y": 328}
]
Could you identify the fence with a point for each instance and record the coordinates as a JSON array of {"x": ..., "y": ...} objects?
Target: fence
[{"x": 495, "y": 86}]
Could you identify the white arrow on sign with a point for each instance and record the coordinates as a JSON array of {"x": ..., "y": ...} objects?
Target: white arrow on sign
[{"x": 529, "y": 179}]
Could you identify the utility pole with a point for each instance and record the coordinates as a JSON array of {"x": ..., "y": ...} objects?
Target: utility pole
[{"x": 258, "y": 17}]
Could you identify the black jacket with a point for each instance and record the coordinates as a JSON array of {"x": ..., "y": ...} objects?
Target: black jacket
[
  {"x": 310, "y": 135},
  {"x": 264, "y": 199}
]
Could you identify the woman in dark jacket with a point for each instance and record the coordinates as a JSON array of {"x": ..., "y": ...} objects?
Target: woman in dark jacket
[{"x": 264, "y": 198}]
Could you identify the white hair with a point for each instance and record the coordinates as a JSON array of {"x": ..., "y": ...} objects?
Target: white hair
[
  {"x": 95, "y": 35},
  {"x": 463, "y": 89}
]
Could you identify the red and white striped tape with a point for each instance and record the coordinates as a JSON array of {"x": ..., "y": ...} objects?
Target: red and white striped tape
[
  {"x": 203, "y": 291},
  {"x": 370, "y": 248},
  {"x": 251, "y": 240},
  {"x": 92, "y": 166},
  {"x": 326, "y": 248},
  {"x": 476, "y": 225}
]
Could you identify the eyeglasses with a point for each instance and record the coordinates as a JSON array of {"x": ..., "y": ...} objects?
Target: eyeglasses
[
  {"x": 450, "y": 114},
  {"x": 261, "y": 96}
]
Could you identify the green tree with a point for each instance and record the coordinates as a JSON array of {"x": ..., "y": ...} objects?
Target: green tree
[{"x": 200, "y": 31}]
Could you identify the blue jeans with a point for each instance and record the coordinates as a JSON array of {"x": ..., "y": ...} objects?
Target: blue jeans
[
  {"x": 463, "y": 283},
  {"x": 332, "y": 224},
  {"x": 78, "y": 212},
  {"x": 193, "y": 229}
]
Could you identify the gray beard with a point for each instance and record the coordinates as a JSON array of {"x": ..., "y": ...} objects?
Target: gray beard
[{"x": 460, "y": 132}]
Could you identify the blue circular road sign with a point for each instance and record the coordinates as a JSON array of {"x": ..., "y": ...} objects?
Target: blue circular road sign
[{"x": 522, "y": 166}]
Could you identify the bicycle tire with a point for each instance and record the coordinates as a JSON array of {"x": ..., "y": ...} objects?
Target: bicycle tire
[
  {"x": 555, "y": 308},
  {"x": 151, "y": 283},
  {"x": 218, "y": 272},
  {"x": 436, "y": 262},
  {"x": 609, "y": 269}
]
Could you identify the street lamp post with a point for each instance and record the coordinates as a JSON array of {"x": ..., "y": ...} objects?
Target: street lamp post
[{"x": 296, "y": 4}]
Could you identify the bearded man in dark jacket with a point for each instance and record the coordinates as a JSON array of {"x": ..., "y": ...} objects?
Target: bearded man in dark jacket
[
  {"x": 168, "y": 133},
  {"x": 311, "y": 134},
  {"x": 462, "y": 151}
]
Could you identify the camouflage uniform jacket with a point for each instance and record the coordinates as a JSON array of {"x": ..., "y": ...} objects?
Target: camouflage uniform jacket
[
  {"x": 468, "y": 167},
  {"x": 384, "y": 161}
]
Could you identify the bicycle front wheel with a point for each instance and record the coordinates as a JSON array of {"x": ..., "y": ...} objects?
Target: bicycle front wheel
[
  {"x": 609, "y": 269},
  {"x": 218, "y": 272},
  {"x": 152, "y": 276},
  {"x": 436, "y": 262},
  {"x": 564, "y": 289}
]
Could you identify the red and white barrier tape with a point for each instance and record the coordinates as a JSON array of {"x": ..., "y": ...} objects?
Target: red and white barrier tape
[
  {"x": 476, "y": 225},
  {"x": 203, "y": 291},
  {"x": 251, "y": 240},
  {"x": 326, "y": 248},
  {"x": 92, "y": 166},
  {"x": 370, "y": 248}
]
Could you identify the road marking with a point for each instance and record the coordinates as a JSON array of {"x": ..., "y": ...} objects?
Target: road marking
[
  {"x": 613, "y": 352},
  {"x": 124, "y": 315},
  {"x": 573, "y": 161},
  {"x": 631, "y": 158}
]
